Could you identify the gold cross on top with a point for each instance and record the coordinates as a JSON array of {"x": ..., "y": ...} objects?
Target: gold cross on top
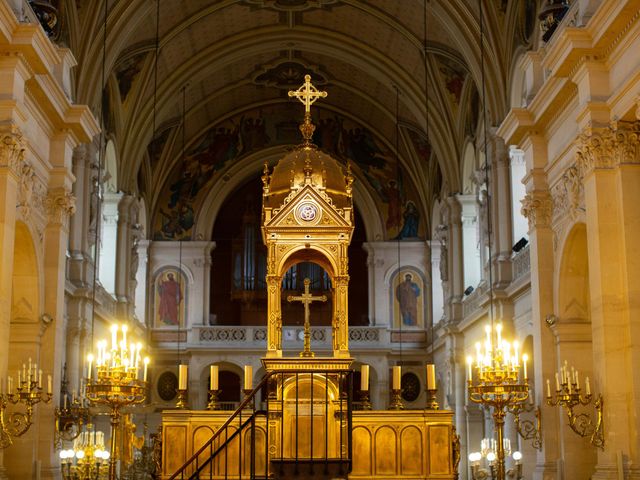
[
  {"x": 307, "y": 94},
  {"x": 306, "y": 298}
]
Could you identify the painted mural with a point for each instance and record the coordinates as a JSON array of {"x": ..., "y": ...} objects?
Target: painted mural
[
  {"x": 408, "y": 292},
  {"x": 170, "y": 288},
  {"x": 244, "y": 134},
  {"x": 453, "y": 75}
]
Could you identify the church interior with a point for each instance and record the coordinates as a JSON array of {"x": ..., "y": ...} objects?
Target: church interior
[{"x": 319, "y": 239}]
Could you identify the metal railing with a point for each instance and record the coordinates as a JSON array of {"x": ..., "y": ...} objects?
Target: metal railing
[{"x": 317, "y": 450}]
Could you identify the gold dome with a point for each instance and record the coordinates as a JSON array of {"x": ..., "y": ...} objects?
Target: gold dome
[{"x": 308, "y": 166}]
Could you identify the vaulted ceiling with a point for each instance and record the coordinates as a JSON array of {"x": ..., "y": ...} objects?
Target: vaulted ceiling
[{"x": 234, "y": 56}]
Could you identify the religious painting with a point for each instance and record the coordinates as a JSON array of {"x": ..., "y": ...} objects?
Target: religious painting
[
  {"x": 408, "y": 299},
  {"x": 170, "y": 289},
  {"x": 453, "y": 75},
  {"x": 231, "y": 140}
]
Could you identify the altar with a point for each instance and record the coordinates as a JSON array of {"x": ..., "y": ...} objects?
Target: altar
[{"x": 300, "y": 420}]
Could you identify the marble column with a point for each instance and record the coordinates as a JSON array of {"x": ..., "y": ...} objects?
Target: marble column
[
  {"x": 455, "y": 274},
  {"x": 437, "y": 293},
  {"x": 124, "y": 241},
  {"x": 500, "y": 191},
  {"x": 471, "y": 252}
]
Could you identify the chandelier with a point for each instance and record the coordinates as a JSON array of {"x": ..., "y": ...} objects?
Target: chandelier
[
  {"x": 120, "y": 380},
  {"x": 499, "y": 383},
  {"x": 87, "y": 457}
]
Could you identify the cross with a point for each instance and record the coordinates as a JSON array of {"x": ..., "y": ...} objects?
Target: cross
[
  {"x": 307, "y": 94},
  {"x": 306, "y": 298}
]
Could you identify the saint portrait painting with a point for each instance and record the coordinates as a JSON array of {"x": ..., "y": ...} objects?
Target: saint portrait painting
[
  {"x": 170, "y": 286},
  {"x": 408, "y": 300}
]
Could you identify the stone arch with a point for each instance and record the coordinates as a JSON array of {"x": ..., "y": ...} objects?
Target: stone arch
[
  {"x": 25, "y": 291},
  {"x": 251, "y": 166},
  {"x": 572, "y": 283},
  {"x": 111, "y": 167}
]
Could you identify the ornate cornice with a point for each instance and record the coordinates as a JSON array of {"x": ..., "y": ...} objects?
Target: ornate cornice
[
  {"x": 537, "y": 207},
  {"x": 608, "y": 147},
  {"x": 59, "y": 204},
  {"x": 12, "y": 150}
]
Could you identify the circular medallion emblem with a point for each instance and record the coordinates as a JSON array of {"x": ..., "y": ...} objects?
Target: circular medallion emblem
[{"x": 307, "y": 212}]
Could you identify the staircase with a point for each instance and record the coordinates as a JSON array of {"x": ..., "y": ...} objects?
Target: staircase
[{"x": 301, "y": 431}]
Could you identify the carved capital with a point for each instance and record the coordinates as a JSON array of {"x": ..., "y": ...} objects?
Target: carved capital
[
  {"x": 59, "y": 204},
  {"x": 608, "y": 147},
  {"x": 12, "y": 150},
  {"x": 537, "y": 207}
]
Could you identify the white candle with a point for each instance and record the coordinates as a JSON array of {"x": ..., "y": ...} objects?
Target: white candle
[
  {"x": 24, "y": 372},
  {"x": 10, "y": 384},
  {"x": 397, "y": 370},
  {"x": 49, "y": 387},
  {"x": 588, "y": 386},
  {"x": 548, "y": 389},
  {"x": 577, "y": 380},
  {"x": 40, "y": 379},
  {"x": 213, "y": 381},
  {"x": 248, "y": 377},
  {"x": 470, "y": 365},
  {"x": 65, "y": 401},
  {"x": 557, "y": 383},
  {"x": 19, "y": 378},
  {"x": 183, "y": 373},
  {"x": 525, "y": 357},
  {"x": 431, "y": 377},
  {"x": 146, "y": 362},
  {"x": 364, "y": 378},
  {"x": 90, "y": 359}
]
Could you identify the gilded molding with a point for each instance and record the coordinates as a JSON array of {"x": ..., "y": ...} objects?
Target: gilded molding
[
  {"x": 59, "y": 204},
  {"x": 608, "y": 147},
  {"x": 537, "y": 207},
  {"x": 12, "y": 151}
]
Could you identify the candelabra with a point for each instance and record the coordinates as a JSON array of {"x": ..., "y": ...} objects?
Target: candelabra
[
  {"x": 568, "y": 395},
  {"x": 479, "y": 473},
  {"x": 396, "y": 399},
  {"x": 117, "y": 382},
  {"x": 28, "y": 392},
  {"x": 526, "y": 428},
  {"x": 213, "y": 400},
  {"x": 89, "y": 454},
  {"x": 497, "y": 384},
  {"x": 365, "y": 400},
  {"x": 70, "y": 416}
]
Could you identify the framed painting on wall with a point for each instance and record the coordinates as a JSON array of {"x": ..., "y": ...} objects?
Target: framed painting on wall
[{"x": 170, "y": 287}]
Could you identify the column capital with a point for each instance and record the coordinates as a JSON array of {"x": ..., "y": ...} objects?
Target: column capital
[
  {"x": 608, "y": 147},
  {"x": 59, "y": 204},
  {"x": 537, "y": 207},
  {"x": 12, "y": 150}
]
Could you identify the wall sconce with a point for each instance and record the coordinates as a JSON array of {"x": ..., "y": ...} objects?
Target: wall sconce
[{"x": 568, "y": 395}]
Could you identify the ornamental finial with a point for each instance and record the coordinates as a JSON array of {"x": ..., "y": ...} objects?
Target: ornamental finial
[{"x": 307, "y": 94}]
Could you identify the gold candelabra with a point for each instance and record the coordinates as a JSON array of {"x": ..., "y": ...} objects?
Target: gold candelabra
[
  {"x": 28, "y": 392},
  {"x": 528, "y": 429},
  {"x": 498, "y": 384},
  {"x": 87, "y": 457},
  {"x": 488, "y": 452},
  {"x": 568, "y": 395},
  {"x": 70, "y": 416},
  {"x": 118, "y": 381}
]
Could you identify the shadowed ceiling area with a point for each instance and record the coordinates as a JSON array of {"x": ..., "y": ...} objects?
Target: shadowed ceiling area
[{"x": 229, "y": 64}]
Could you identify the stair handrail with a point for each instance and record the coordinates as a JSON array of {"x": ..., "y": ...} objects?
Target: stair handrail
[{"x": 218, "y": 432}]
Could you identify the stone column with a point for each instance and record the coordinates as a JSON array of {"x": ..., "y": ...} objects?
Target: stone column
[
  {"x": 124, "y": 241},
  {"x": 141, "y": 279},
  {"x": 471, "y": 252},
  {"x": 537, "y": 207},
  {"x": 500, "y": 191},
  {"x": 59, "y": 205},
  {"x": 455, "y": 274},
  {"x": 609, "y": 162},
  {"x": 109, "y": 241},
  {"x": 437, "y": 293},
  {"x": 520, "y": 227},
  {"x": 12, "y": 152}
]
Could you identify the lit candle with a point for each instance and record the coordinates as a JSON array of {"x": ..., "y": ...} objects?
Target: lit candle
[
  {"x": 24, "y": 372},
  {"x": 397, "y": 370},
  {"x": 470, "y": 365},
  {"x": 146, "y": 363},
  {"x": 548, "y": 389},
  {"x": 39, "y": 378},
  {"x": 28, "y": 377},
  {"x": 183, "y": 373},
  {"x": 364, "y": 378},
  {"x": 431, "y": 377},
  {"x": 213, "y": 381},
  {"x": 588, "y": 386},
  {"x": 49, "y": 387},
  {"x": 138, "y": 348},
  {"x": 19, "y": 378},
  {"x": 90, "y": 359},
  {"x": 114, "y": 337},
  {"x": 248, "y": 377},
  {"x": 577, "y": 381},
  {"x": 525, "y": 357},
  {"x": 557, "y": 383}
]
